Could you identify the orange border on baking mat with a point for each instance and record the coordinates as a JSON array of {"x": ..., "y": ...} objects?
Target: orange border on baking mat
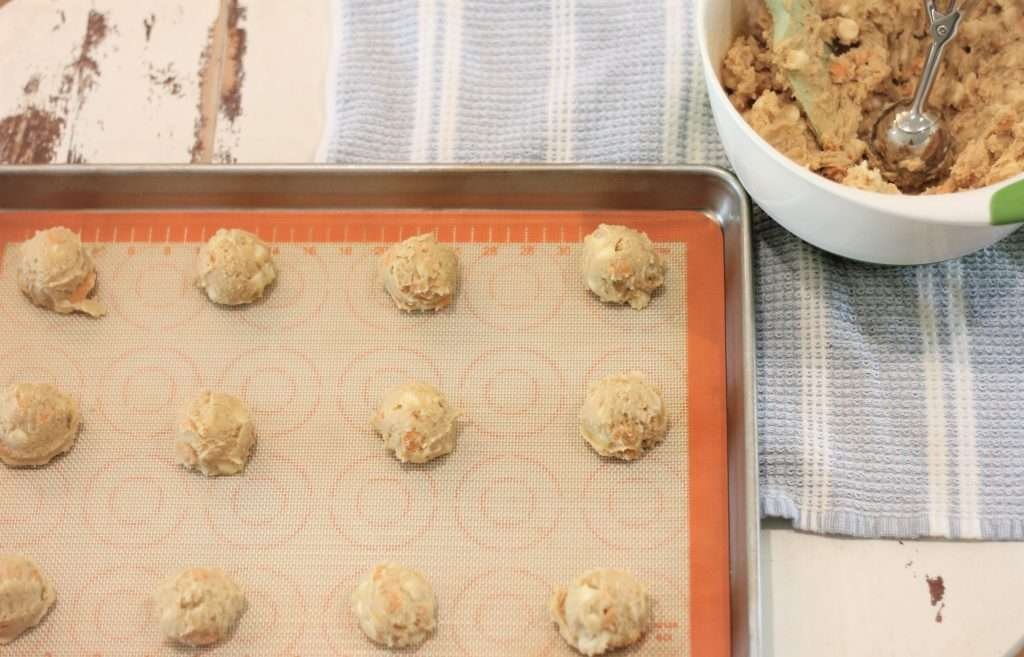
[{"x": 708, "y": 468}]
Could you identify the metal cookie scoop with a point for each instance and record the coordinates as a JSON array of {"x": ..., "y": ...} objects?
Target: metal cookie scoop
[{"x": 910, "y": 142}]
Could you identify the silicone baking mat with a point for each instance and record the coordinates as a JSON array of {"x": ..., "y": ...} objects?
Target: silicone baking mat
[{"x": 521, "y": 505}]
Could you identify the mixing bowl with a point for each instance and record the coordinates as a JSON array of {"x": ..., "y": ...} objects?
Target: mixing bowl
[{"x": 867, "y": 226}]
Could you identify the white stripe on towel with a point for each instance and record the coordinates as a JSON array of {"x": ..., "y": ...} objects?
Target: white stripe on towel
[
  {"x": 450, "y": 81},
  {"x": 935, "y": 406},
  {"x": 695, "y": 135},
  {"x": 963, "y": 384},
  {"x": 569, "y": 91},
  {"x": 424, "y": 115},
  {"x": 673, "y": 80},
  {"x": 554, "y": 72},
  {"x": 561, "y": 81},
  {"x": 822, "y": 392},
  {"x": 814, "y": 386}
]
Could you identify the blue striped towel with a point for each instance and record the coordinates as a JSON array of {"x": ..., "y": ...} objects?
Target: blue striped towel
[{"x": 889, "y": 397}]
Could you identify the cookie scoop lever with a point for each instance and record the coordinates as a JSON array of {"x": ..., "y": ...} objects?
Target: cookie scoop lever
[{"x": 911, "y": 143}]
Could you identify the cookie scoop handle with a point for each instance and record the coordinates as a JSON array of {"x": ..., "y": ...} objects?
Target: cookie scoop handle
[{"x": 943, "y": 27}]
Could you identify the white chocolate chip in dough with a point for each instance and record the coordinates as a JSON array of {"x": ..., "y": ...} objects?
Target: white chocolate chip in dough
[
  {"x": 848, "y": 31},
  {"x": 215, "y": 435},
  {"x": 620, "y": 265},
  {"x": 25, "y": 597},
  {"x": 796, "y": 60},
  {"x": 55, "y": 272},
  {"x": 199, "y": 606},
  {"x": 420, "y": 273},
  {"x": 623, "y": 416},
  {"x": 416, "y": 422},
  {"x": 395, "y": 606},
  {"x": 601, "y": 610},
  {"x": 37, "y": 422},
  {"x": 235, "y": 267}
]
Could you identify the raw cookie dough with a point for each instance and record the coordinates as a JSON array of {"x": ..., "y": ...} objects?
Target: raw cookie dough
[
  {"x": 215, "y": 435},
  {"x": 876, "y": 50},
  {"x": 416, "y": 422},
  {"x": 395, "y": 606},
  {"x": 56, "y": 272},
  {"x": 199, "y": 606},
  {"x": 235, "y": 267},
  {"x": 420, "y": 273},
  {"x": 37, "y": 422},
  {"x": 864, "y": 177},
  {"x": 623, "y": 416},
  {"x": 620, "y": 265},
  {"x": 601, "y": 610},
  {"x": 25, "y": 597}
]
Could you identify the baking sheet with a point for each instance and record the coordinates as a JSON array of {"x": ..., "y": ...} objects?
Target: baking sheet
[{"x": 520, "y": 506}]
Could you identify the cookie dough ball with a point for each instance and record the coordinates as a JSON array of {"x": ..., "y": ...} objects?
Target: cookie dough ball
[
  {"x": 623, "y": 416},
  {"x": 416, "y": 422},
  {"x": 601, "y": 610},
  {"x": 420, "y": 273},
  {"x": 395, "y": 606},
  {"x": 235, "y": 267},
  {"x": 37, "y": 422},
  {"x": 620, "y": 265},
  {"x": 56, "y": 272},
  {"x": 199, "y": 606},
  {"x": 25, "y": 597},
  {"x": 215, "y": 435}
]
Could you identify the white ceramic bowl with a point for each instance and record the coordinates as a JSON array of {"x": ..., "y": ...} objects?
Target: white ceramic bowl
[{"x": 880, "y": 228}]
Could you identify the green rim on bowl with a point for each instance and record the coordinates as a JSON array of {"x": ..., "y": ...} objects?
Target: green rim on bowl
[{"x": 1008, "y": 205}]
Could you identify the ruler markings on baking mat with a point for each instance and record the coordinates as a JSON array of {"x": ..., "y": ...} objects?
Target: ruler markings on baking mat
[{"x": 290, "y": 540}]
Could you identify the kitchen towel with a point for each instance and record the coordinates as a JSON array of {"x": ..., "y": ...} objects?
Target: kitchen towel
[{"x": 889, "y": 398}]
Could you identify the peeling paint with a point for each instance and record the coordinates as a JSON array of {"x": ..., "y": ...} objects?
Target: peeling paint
[
  {"x": 80, "y": 76},
  {"x": 206, "y": 117},
  {"x": 221, "y": 74},
  {"x": 233, "y": 72},
  {"x": 936, "y": 593},
  {"x": 30, "y": 137},
  {"x": 165, "y": 78},
  {"x": 936, "y": 589}
]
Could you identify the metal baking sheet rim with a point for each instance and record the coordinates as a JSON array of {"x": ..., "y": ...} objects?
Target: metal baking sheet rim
[{"x": 711, "y": 191}]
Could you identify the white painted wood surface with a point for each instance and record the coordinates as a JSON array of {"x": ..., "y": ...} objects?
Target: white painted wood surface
[
  {"x": 282, "y": 118},
  {"x": 144, "y": 100},
  {"x": 124, "y": 94},
  {"x": 168, "y": 81},
  {"x": 833, "y": 597}
]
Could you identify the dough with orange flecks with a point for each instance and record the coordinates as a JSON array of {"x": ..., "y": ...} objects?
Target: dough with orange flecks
[
  {"x": 420, "y": 273},
  {"x": 235, "y": 267},
  {"x": 601, "y": 610},
  {"x": 199, "y": 606},
  {"x": 620, "y": 265},
  {"x": 215, "y": 435},
  {"x": 25, "y": 597},
  {"x": 56, "y": 272},
  {"x": 395, "y": 606},
  {"x": 623, "y": 416},
  {"x": 416, "y": 422},
  {"x": 37, "y": 423}
]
